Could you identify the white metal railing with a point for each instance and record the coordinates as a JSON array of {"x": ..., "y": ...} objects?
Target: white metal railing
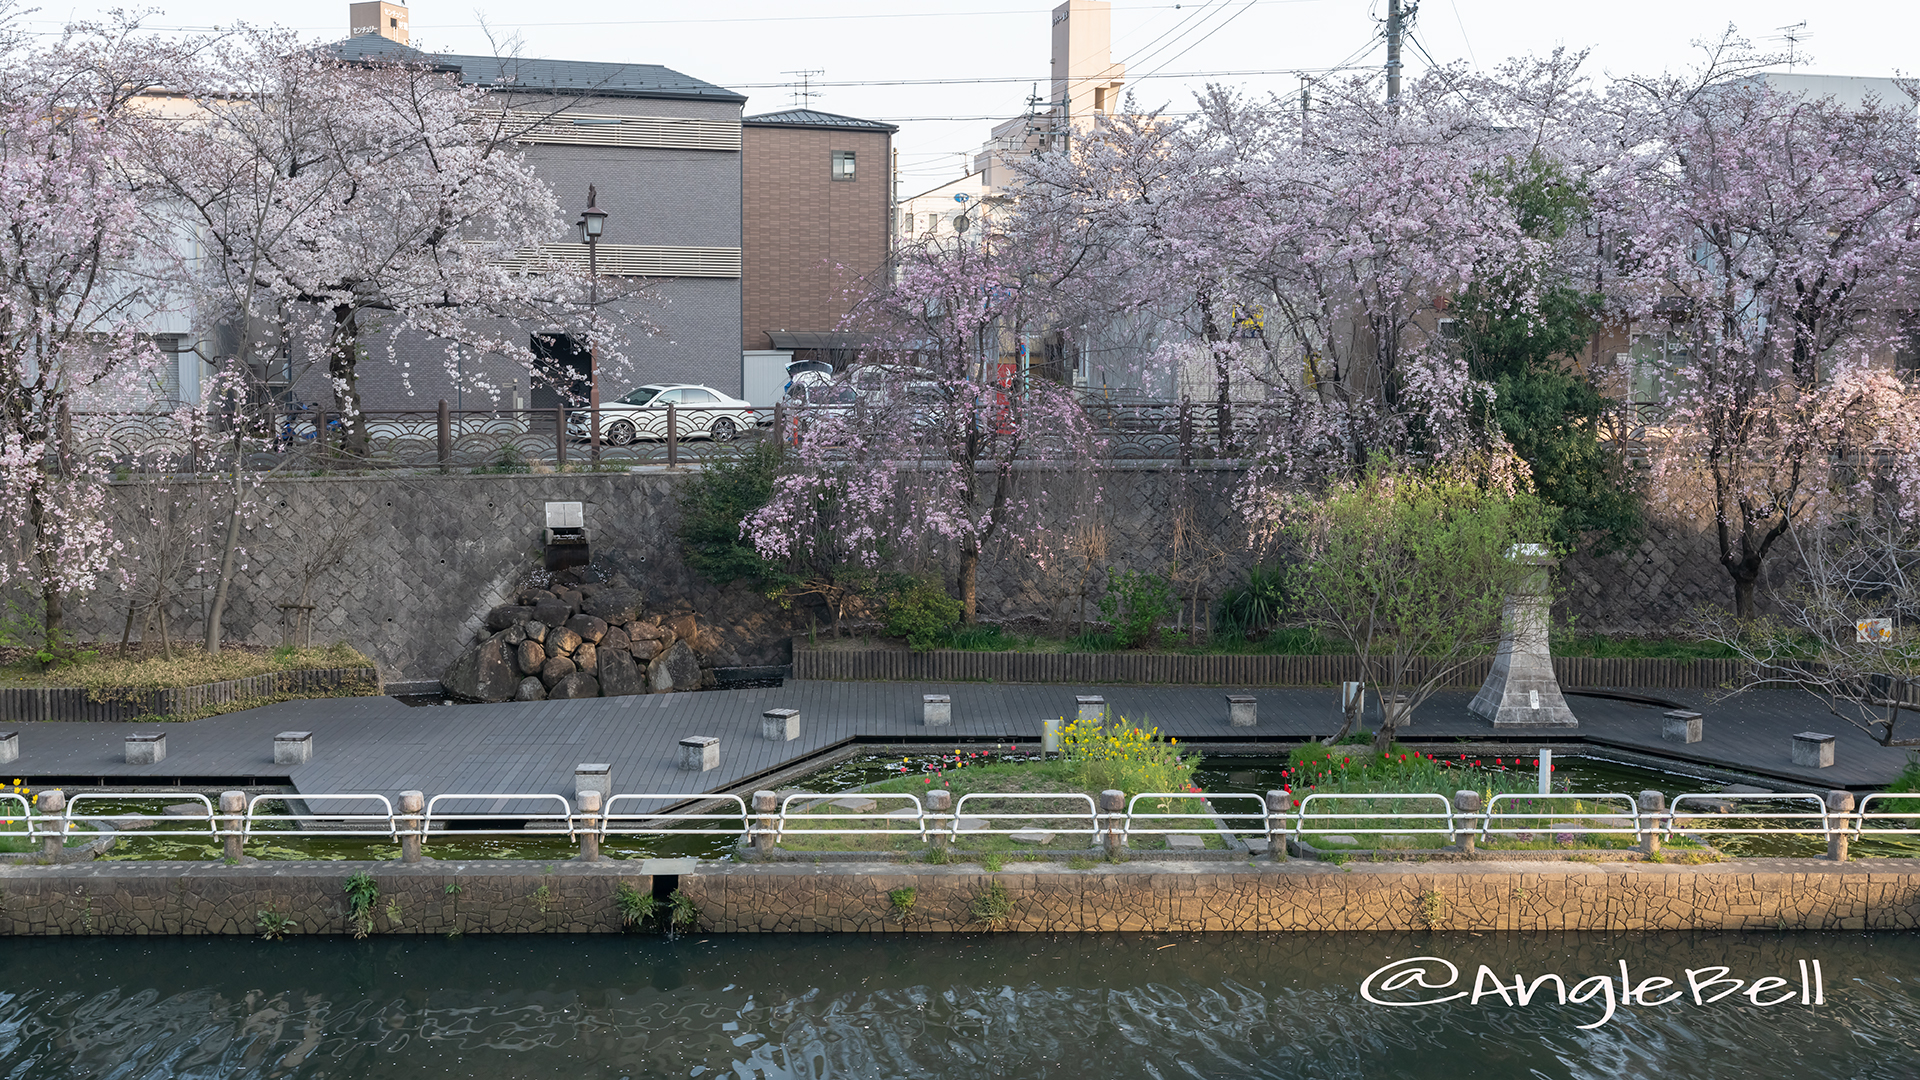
[
  {"x": 488, "y": 822},
  {"x": 642, "y": 822},
  {"x": 1442, "y": 819},
  {"x": 74, "y": 823},
  {"x": 1007, "y": 822},
  {"x": 1815, "y": 822},
  {"x": 452, "y": 816},
  {"x": 1498, "y": 820},
  {"x": 889, "y": 822},
  {"x": 315, "y": 821},
  {"x": 1208, "y": 819}
]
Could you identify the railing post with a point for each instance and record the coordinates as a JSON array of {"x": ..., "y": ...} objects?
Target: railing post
[
  {"x": 673, "y": 434},
  {"x": 1839, "y": 804},
  {"x": 412, "y": 825},
  {"x": 1653, "y": 807},
  {"x": 589, "y": 825},
  {"x": 445, "y": 437},
  {"x": 1279, "y": 807},
  {"x": 939, "y": 805},
  {"x": 765, "y": 805},
  {"x": 560, "y": 437},
  {"x": 1186, "y": 431},
  {"x": 232, "y": 819},
  {"x": 1113, "y": 804},
  {"x": 52, "y": 803},
  {"x": 1465, "y": 802},
  {"x": 320, "y": 432}
]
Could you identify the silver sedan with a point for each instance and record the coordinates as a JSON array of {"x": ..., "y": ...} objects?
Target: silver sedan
[{"x": 701, "y": 412}]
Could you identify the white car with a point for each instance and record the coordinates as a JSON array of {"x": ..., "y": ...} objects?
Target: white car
[{"x": 702, "y": 412}]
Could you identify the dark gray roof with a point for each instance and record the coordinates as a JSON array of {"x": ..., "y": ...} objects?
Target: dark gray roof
[
  {"x": 815, "y": 119},
  {"x": 560, "y": 76}
]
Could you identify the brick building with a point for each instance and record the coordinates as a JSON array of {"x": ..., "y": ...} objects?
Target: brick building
[{"x": 817, "y": 226}]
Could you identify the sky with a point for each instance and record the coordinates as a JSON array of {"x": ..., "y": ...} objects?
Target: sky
[{"x": 945, "y": 70}]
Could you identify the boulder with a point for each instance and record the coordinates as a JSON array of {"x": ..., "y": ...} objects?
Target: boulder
[
  {"x": 482, "y": 673},
  {"x": 552, "y": 612},
  {"x": 675, "y": 669},
  {"x": 619, "y": 675},
  {"x": 514, "y": 635},
  {"x": 589, "y": 627},
  {"x": 588, "y": 588},
  {"x": 555, "y": 669},
  {"x": 615, "y": 639},
  {"x": 562, "y": 641},
  {"x": 533, "y": 596},
  {"x": 586, "y": 657},
  {"x": 644, "y": 650},
  {"x": 529, "y": 657},
  {"x": 650, "y": 631},
  {"x": 615, "y": 605},
  {"x": 531, "y": 689},
  {"x": 506, "y": 615},
  {"x": 534, "y": 629},
  {"x": 685, "y": 627},
  {"x": 571, "y": 598},
  {"x": 577, "y": 685}
]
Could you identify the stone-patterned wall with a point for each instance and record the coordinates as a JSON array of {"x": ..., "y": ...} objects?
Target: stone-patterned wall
[
  {"x": 404, "y": 567},
  {"x": 124, "y": 898}
]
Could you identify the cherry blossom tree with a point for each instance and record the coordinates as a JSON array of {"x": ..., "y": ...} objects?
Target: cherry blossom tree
[
  {"x": 1777, "y": 238},
  {"x": 76, "y": 281}
]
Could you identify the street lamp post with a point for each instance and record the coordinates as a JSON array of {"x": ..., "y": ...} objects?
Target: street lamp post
[{"x": 592, "y": 222}]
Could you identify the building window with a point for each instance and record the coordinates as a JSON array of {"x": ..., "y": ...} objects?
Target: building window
[
  {"x": 906, "y": 224},
  {"x": 843, "y": 164}
]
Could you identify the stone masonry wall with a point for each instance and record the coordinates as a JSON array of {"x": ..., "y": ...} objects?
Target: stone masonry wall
[
  {"x": 190, "y": 899},
  {"x": 405, "y": 567}
]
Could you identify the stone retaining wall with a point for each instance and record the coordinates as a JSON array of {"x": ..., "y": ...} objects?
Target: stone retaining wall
[{"x": 1753, "y": 894}]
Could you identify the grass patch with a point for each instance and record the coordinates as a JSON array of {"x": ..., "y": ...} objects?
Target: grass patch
[
  {"x": 1620, "y": 646},
  {"x": 147, "y": 669}
]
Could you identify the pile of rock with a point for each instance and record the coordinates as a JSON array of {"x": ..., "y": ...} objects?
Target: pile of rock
[{"x": 575, "y": 640}]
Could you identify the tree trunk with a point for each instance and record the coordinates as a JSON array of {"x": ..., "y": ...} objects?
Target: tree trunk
[
  {"x": 1743, "y": 588},
  {"x": 969, "y": 581},
  {"x": 218, "y": 611},
  {"x": 343, "y": 366}
]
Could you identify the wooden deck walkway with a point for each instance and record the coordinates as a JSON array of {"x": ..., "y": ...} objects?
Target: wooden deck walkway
[{"x": 379, "y": 744}]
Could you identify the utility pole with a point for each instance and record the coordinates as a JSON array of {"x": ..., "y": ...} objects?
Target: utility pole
[{"x": 1396, "y": 28}]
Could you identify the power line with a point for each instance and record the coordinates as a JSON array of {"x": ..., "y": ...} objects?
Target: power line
[
  {"x": 1029, "y": 79},
  {"x": 1223, "y": 25}
]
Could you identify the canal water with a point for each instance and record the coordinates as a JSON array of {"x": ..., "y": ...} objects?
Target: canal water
[{"x": 1158, "y": 1006}]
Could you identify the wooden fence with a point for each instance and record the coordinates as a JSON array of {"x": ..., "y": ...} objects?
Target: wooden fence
[
  {"x": 123, "y": 704},
  {"x": 943, "y": 665}
]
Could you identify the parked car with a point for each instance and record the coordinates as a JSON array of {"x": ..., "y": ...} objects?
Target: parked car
[{"x": 702, "y": 412}]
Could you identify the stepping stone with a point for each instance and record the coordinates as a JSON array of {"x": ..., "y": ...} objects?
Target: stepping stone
[
  {"x": 130, "y": 824},
  {"x": 1185, "y": 842},
  {"x": 857, "y": 804},
  {"x": 186, "y": 809},
  {"x": 903, "y": 812},
  {"x": 1258, "y": 844},
  {"x": 1335, "y": 840},
  {"x": 970, "y": 824},
  {"x": 1031, "y": 836}
]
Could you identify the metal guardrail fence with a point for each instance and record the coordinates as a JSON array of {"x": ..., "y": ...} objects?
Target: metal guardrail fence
[{"x": 890, "y": 816}]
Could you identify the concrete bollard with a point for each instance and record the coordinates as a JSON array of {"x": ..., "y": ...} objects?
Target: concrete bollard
[
  {"x": 233, "y": 837},
  {"x": 293, "y": 748},
  {"x": 1279, "y": 809},
  {"x": 52, "y": 803},
  {"x": 780, "y": 725},
  {"x": 588, "y": 803},
  {"x": 1466, "y": 802},
  {"x": 1114, "y": 805},
  {"x": 596, "y": 776},
  {"x": 699, "y": 753},
  {"x": 1241, "y": 710},
  {"x": 412, "y": 825},
  {"x": 1681, "y": 726},
  {"x": 146, "y": 748},
  {"x": 9, "y": 746},
  {"x": 940, "y": 802},
  {"x": 766, "y": 805},
  {"x": 1050, "y": 735},
  {"x": 1653, "y": 807},
  {"x": 1812, "y": 750},
  {"x": 1840, "y": 805},
  {"x": 936, "y": 710},
  {"x": 1092, "y": 709}
]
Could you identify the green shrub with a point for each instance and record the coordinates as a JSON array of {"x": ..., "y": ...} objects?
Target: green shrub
[
  {"x": 713, "y": 504},
  {"x": 1135, "y": 604},
  {"x": 1254, "y": 606},
  {"x": 922, "y": 612},
  {"x": 1125, "y": 758},
  {"x": 361, "y": 893}
]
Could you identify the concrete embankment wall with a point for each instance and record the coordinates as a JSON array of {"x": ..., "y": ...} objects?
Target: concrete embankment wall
[{"x": 191, "y": 899}]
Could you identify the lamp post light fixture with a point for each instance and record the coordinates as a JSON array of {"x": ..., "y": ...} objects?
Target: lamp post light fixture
[{"x": 592, "y": 221}]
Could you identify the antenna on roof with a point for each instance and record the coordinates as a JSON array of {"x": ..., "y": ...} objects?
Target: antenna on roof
[
  {"x": 803, "y": 92},
  {"x": 1793, "y": 36}
]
